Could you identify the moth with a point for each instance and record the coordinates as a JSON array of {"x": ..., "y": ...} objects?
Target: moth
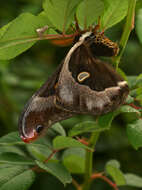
[{"x": 82, "y": 84}]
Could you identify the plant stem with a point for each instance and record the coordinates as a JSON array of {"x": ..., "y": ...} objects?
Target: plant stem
[
  {"x": 76, "y": 185},
  {"x": 107, "y": 180},
  {"x": 37, "y": 169},
  {"x": 127, "y": 30},
  {"x": 89, "y": 161}
]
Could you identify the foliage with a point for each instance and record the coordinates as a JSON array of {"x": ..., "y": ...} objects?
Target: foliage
[{"x": 61, "y": 153}]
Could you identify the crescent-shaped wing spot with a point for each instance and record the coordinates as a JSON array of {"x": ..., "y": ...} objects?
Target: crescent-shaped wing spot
[{"x": 82, "y": 76}]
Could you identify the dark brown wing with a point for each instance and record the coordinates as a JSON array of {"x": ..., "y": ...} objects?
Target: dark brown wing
[
  {"x": 41, "y": 110},
  {"x": 102, "y": 89},
  {"x": 102, "y": 75}
]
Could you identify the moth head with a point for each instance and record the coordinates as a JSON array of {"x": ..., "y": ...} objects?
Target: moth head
[{"x": 33, "y": 121}]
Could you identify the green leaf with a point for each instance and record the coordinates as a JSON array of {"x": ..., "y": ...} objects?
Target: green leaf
[
  {"x": 11, "y": 139},
  {"x": 128, "y": 109},
  {"x": 13, "y": 158},
  {"x": 45, "y": 141},
  {"x": 114, "y": 163},
  {"x": 112, "y": 168},
  {"x": 138, "y": 5},
  {"x": 139, "y": 98},
  {"x": 14, "y": 149},
  {"x": 61, "y": 13},
  {"x": 104, "y": 123},
  {"x": 129, "y": 99},
  {"x": 44, "y": 18},
  {"x": 55, "y": 130},
  {"x": 59, "y": 129},
  {"x": 138, "y": 24},
  {"x": 4, "y": 29},
  {"x": 19, "y": 35},
  {"x": 115, "y": 11},
  {"x": 85, "y": 127},
  {"x": 129, "y": 113},
  {"x": 8, "y": 173},
  {"x": 18, "y": 181},
  {"x": 106, "y": 120},
  {"x": 8, "y": 141},
  {"x": 139, "y": 81},
  {"x": 74, "y": 160},
  {"x": 133, "y": 180},
  {"x": 139, "y": 91},
  {"x": 39, "y": 152},
  {"x": 121, "y": 72},
  {"x": 56, "y": 169},
  {"x": 132, "y": 81},
  {"x": 134, "y": 133},
  {"x": 62, "y": 142},
  {"x": 88, "y": 12}
]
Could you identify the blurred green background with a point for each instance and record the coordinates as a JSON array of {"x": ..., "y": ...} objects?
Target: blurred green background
[{"x": 22, "y": 76}]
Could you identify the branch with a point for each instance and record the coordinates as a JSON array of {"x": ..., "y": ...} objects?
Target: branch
[
  {"x": 76, "y": 185},
  {"x": 129, "y": 25},
  {"x": 89, "y": 161},
  {"x": 37, "y": 169},
  {"x": 134, "y": 106},
  {"x": 107, "y": 180},
  {"x": 50, "y": 156}
]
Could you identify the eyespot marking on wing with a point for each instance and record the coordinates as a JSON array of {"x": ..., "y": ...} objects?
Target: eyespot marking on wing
[{"x": 82, "y": 76}]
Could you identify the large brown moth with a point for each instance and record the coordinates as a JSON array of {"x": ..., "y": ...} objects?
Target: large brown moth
[{"x": 82, "y": 84}]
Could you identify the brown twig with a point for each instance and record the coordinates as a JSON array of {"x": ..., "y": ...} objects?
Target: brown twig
[
  {"x": 97, "y": 27},
  {"x": 76, "y": 24},
  {"x": 134, "y": 106},
  {"x": 83, "y": 141},
  {"x": 101, "y": 176},
  {"x": 133, "y": 22},
  {"x": 37, "y": 169},
  {"x": 76, "y": 185},
  {"x": 50, "y": 156}
]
